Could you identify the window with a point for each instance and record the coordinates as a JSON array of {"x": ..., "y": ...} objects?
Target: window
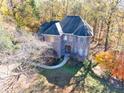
[
  {"x": 65, "y": 38},
  {"x": 71, "y": 38},
  {"x": 80, "y": 51},
  {"x": 75, "y": 50}
]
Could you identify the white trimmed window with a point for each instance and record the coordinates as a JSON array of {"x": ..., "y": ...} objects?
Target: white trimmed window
[
  {"x": 80, "y": 51},
  {"x": 65, "y": 38},
  {"x": 75, "y": 49}
]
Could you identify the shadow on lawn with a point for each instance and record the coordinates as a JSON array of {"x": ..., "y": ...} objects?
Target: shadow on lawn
[
  {"x": 62, "y": 76},
  {"x": 110, "y": 84}
]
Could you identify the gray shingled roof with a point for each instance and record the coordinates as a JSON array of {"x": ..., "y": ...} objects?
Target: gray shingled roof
[
  {"x": 52, "y": 30},
  {"x": 70, "y": 25},
  {"x": 83, "y": 30},
  {"x": 45, "y": 26}
]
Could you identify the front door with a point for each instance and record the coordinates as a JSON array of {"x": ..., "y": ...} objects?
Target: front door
[{"x": 67, "y": 49}]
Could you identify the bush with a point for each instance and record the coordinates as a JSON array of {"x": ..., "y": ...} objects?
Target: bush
[
  {"x": 5, "y": 40},
  {"x": 25, "y": 14},
  {"x": 112, "y": 62}
]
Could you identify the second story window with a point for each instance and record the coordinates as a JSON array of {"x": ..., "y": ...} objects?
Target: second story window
[{"x": 65, "y": 38}]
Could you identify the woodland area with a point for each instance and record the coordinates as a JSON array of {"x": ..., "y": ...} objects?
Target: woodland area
[{"x": 101, "y": 72}]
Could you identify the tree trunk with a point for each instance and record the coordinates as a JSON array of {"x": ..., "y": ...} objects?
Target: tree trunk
[
  {"x": 107, "y": 35},
  {"x": 94, "y": 28},
  {"x": 109, "y": 23},
  {"x": 66, "y": 12}
]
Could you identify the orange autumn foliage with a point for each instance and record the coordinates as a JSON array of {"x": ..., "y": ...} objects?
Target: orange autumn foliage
[
  {"x": 118, "y": 70},
  {"x": 113, "y": 62},
  {"x": 105, "y": 59}
]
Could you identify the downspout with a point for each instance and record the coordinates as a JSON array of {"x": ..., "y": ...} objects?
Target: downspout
[{"x": 66, "y": 58}]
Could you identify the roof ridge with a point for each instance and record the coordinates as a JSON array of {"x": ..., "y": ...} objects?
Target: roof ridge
[{"x": 59, "y": 28}]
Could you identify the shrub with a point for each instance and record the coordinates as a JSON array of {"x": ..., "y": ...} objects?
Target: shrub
[
  {"x": 25, "y": 14},
  {"x": 105, "y": 59},
  {"x": 5, "y": 40},
  {"x": 118, "y": 69},
  {"x": 112, "y": 61}
]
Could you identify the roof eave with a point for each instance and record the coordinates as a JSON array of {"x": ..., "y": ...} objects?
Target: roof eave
[
  {"x": 82, "y": 36},
  {"x": 50, "y": 35}
]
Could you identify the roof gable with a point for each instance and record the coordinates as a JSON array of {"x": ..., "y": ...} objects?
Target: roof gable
[
  {"x": 82, "y": 31},
  {"x": 52, "y": 30},
  {"x": 70, "y": 23},
  {"x": 45, "y": 26}
]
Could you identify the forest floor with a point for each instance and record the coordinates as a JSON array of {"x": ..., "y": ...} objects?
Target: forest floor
[
  {"x": 61, "y": 80},
  {"x": 6, "y": 70},
  {"x": 60, "y": 77}
]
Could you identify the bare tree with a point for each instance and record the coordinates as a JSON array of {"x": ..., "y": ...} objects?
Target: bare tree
[{"x": 108, "y": 22}]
